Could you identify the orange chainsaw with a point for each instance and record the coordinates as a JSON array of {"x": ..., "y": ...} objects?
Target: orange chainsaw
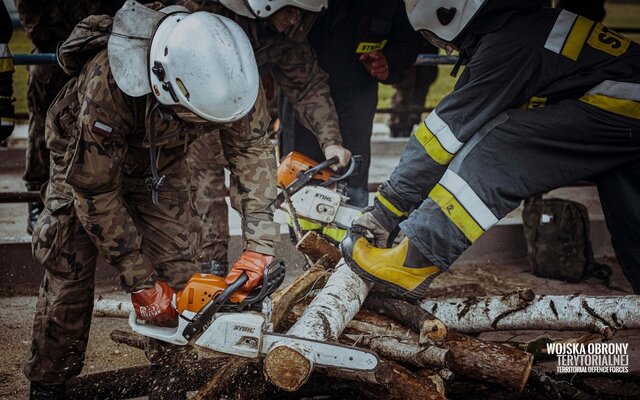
[{"x": 231, "y": 320}]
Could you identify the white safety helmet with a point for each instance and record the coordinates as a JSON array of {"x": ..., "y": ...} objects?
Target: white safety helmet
[
  {"x": 445, "y": 19},
  {"x": 261, "y": 9},
  {"x": 201, "y": 64}
]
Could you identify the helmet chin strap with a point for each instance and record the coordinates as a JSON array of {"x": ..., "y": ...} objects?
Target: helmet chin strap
[{"x": 155, "y": 182}]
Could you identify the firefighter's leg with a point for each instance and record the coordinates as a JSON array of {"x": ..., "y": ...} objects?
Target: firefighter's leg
[
  {"x": 519, "y": 154},
  {"x": 619, "y": 191}
]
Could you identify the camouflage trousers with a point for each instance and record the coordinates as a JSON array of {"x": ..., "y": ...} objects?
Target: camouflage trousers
[
  {"x": 65, "y": 301},
  {"x": 44, "y": 84},
  {"x": 209, "y": 224}
]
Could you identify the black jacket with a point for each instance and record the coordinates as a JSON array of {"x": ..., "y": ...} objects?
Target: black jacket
[{"x": 347, "y": 23}]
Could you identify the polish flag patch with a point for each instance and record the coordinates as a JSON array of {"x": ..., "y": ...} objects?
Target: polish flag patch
[{"x": 101, "y": 128}]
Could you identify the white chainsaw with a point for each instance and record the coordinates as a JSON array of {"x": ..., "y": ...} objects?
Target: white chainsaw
[
  {"x": 230, "y": 320},
  {"x": 316, "y": 194}
]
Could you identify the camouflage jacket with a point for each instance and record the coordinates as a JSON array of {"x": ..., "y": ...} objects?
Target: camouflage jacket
[
  {"x": 295, "y": 69},
  {"x": 90, "y": 127}
]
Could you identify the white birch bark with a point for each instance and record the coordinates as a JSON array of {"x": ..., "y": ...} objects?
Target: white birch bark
[
  {"x": 324, "y": 320},
  {"x": 601, "y": 314}
]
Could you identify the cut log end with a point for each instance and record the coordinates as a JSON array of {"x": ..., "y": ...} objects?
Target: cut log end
[
  {"x": 287, "y": 368},
  {"x": 432, "y": 330},
  {"x": 315, "y": 246}
]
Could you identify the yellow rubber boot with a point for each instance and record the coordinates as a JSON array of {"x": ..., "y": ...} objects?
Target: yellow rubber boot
[{"x": 402, "y": 269}]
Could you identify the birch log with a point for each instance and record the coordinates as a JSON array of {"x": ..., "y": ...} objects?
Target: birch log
[
  {"x": 406, "y": 385},
  {"x": 109, "y": 308},
  {"x": 486, "y": 361},
  {"x": 429, "y": 327},
  {"x": 283, "y": 299},
  {"x": 472, "y": 357},
  {"x": 390, "y": 340},
  {"x": 289, "y": 367},
  {"x": 601, "y": 314},
  {"x": 316, "y": 247},
  {"x": 406, "y": 351}
]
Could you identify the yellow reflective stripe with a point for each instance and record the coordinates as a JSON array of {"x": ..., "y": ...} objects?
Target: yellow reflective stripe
[
  {"x": 305, "y": 224},
  {"x": 6, "y": 65},
  {"x": 336, "y": 234},
  {"x": 390, "y": 206},
  {"x": 577, "y": 37},
  {"x": 469, "y": 199},
  {"x": 432, "y": 145},
  {"x": 5, "y": 121},
  {"x": 628, "y": 108},
  {"x": 452, "y": 208}
]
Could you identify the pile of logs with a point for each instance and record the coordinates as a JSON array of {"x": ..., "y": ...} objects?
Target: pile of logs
[{"x": 420, "y": 346}]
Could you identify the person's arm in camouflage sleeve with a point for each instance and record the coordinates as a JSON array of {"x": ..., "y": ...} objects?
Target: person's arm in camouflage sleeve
[
  {"x": 252, "y": 164},
  {"x": 306, "y": 86},
  {"x": 96, "y": 174}
]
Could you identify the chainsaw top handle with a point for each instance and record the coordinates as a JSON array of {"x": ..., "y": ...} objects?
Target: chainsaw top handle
[
  {"x": 325, "y": 164},
  {"x": 272, "y": 279},
  {"x": 354, "y": 166}
]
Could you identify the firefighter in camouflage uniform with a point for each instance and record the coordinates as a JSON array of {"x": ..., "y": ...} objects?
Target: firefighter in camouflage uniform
[
  {"x": 547, "y": 98},
  {"x": 278, "y": 34},
  {"x": 119, "y": 182}
]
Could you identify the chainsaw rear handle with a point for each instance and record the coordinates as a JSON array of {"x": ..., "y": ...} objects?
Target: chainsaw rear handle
[
  {"x": 205, "y": 315},
  {"x": 273, "y": 277}
]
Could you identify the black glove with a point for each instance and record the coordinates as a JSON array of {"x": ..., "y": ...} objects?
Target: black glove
[{"x": 380, "y": 221}]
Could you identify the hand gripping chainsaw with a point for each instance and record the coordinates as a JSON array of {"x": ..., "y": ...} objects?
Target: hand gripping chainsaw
[
  {"x": 317, "y": 194},
  {"x": 230, "y": 320}
]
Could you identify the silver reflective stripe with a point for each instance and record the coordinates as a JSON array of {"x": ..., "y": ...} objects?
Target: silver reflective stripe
[
  {"x": 469, "y": 199},
  {"x": 560, "y": 31},
  {"x": 618, "y": 90},
  {"x": 4, "y": 51},
  {"x": 442, "y": 131}
]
